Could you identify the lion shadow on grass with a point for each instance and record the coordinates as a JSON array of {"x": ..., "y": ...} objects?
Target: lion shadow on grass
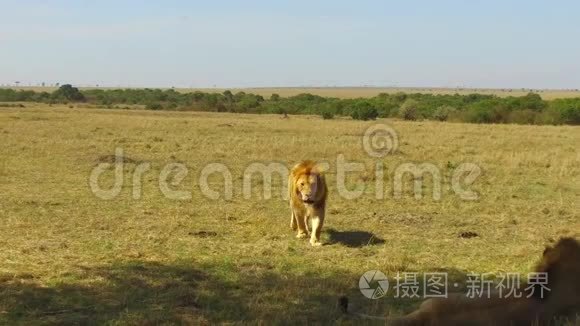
[
  {"x": 353, "y": 239},
  {"x": 143, "y": 293},
  {"x": 140, "y": 292}
]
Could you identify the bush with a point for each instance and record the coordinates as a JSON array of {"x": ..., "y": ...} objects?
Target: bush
[
  {"x": 571, "y": 115},
  {"x": 387, "y": 109},
  {"x": 478, "y": 115},
  {"x": 477, "y": 108},
  {"x": 10, "y": 105},
  {"x": 408, "y": 110},
  {"x": 524, "y": 117},
  {"x": 154, "y": 106},
  {"x": 364, "y": 111},
  {"x": 531, "y": 101},
  {"x": 327, "y": 115},
  {"x": 443, "y": 112},
  {"x": 563, "y": 111}
]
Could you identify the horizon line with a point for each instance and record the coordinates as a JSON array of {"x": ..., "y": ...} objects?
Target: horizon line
[{"x": 216, "y": 87}]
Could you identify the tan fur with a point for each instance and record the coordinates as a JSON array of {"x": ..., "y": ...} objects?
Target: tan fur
[
  {"x": 308, "y": 192},
  {"x": 561, "y": 262}
]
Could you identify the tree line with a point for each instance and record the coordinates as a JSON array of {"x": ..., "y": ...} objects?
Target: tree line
[{"x": 473, "y": 108}]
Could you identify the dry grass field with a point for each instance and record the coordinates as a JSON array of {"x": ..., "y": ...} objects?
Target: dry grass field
[
  {"x": 69, "y": 257},
  {"x": 356, "y": 92}
]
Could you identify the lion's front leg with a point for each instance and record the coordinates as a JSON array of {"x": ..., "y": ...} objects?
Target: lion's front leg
[
  {"x": 317, "y": 220},
  {"x": 293, "y": 221},
  {"x": 299, "y": 220}
]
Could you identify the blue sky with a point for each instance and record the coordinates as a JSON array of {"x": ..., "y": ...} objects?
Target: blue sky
[{"x": 532, "y": 44}]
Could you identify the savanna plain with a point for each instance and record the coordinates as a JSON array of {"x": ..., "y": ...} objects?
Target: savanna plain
[{"x": 70, "y": 257}]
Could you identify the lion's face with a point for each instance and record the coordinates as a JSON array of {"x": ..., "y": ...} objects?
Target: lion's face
[{"x": 307, "y": 186}]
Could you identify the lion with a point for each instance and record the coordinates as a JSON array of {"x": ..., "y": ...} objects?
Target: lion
[
  {"x": 561, "y": 263},
  {"x": 308, "y": 192}
]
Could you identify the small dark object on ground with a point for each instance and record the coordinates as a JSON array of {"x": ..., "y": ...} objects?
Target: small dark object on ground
[
  {"x": 468, "y": 235},
  {"x": 343, "y": 304},
  {"x": 203, "y": 234}
]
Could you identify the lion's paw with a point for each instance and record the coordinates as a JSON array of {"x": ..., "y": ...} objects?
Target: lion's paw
[
  {"x": 315, "y": 243},
  {"x": 302, "y": 235}
]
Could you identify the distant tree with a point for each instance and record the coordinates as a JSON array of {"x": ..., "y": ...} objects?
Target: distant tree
[
  {"x": 68, "y": 93},
  {"x": 239, "y": 96},
  {"x": 228, "y": 100},
  {"x": 228, "y": 96},
  {"x": 476, "y": 108},
  {"x": 532, "y": 101},
  {"x": 211, "y": 100},
  {"x": 400, "y": 96},
  {"x": 249, "y": 101}
]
